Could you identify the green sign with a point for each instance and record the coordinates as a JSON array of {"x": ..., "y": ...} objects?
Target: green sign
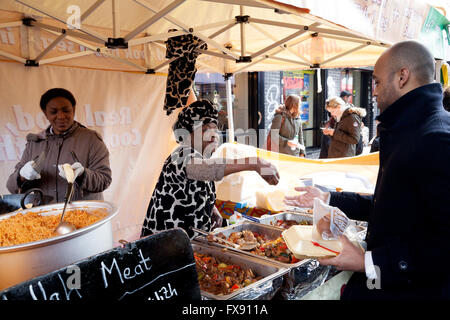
[{"x": 432, "y": 33}]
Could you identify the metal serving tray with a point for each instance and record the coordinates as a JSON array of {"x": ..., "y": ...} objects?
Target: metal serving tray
[
  {"x": 272, "y": 219},
  {"x": 301, "y": 277},
  {"x": 263, "y": 289},
  {"x": 270, "y": 232}
]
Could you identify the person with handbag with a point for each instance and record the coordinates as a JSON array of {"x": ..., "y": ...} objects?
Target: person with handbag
[{"x": 289, "y": 125}]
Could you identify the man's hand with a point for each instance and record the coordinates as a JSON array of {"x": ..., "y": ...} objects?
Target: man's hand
[
  {"x": 306, "y": 199},
  {"x": 267, "y": 171},
  {"x": 351, "y": 257}
]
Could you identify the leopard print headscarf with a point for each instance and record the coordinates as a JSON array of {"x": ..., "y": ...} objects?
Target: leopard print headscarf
[
  {"x": 182, "y": 70},
  {"x": 196, "y": 114}
]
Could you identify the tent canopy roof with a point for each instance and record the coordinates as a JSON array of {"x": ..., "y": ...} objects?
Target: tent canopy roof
[{"x": 242, "y": 35}]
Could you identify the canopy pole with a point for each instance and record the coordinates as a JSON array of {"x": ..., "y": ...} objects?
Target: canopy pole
[
  {"x": 242, "y": 27},
  {"x": 346, "y": 52},
  {"x": 229, "y": 108},
  {"x": 157, "y": 16},
  {"x": 278, "y": 43},
  {"x": 66, "y": 57},
  {"x": 186, "y": 28},
  {"x": 116, "y": 18},
  {"x": 64, "y": 34},
  {"x": 11, "y": 24},
  {"x": 274, "y": 38},
  {"x": 12, "y": 57},
  {"x": 36, "y": 6}
]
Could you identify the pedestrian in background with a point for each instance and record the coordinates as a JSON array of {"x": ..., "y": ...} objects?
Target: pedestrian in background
[
  {"x": 326, "y": 139},
  {"x": 345, "y": 95},
  {"x": 290, "y": 137},
  {"x": 347, "y": 133}
]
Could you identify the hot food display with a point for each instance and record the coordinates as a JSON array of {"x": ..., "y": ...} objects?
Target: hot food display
[
  {"x": 219, "y": 278},
  {"x": 275, "y": 249},
  {"x": 34, "y": 226},
  {"x": 285, "y": 220},
  {"x": 20, "y": 231},
  {"x": 224, "y": 274},
  {"x": 285, "y": 224}
]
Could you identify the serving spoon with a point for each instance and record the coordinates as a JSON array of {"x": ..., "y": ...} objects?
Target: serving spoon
[
  {"x": 245, "y": 246},
  {"x": 65, "y": 227}
]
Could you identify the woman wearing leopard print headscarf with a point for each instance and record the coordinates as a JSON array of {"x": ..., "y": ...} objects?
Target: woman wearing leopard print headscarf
[{"x": 185, "y": 195}]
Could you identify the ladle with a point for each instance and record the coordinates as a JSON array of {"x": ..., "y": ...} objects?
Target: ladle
[
  {"x": 245, "y": 246},
  {"x": 65, "y": 227}
]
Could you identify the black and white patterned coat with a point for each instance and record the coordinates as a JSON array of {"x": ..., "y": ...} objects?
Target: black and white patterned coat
[{"x": 178, "y": 201}]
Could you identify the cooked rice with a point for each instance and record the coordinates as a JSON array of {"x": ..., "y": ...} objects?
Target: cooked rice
[{"x": 29, "y": 227}]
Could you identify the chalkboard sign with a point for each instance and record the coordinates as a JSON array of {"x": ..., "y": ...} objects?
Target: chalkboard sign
[{"x": 158, "y": 267}]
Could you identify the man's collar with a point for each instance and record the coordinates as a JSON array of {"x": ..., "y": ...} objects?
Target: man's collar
[{"x": 410, "y": 108}]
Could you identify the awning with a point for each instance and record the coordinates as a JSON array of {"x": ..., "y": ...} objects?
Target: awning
[{"x": 242, "y": 35}]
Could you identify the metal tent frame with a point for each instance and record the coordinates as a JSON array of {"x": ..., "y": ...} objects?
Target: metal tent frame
[{"x": 241, "y": 58}]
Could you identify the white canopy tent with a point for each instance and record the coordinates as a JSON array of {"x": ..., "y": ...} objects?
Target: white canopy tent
[{"x": 242, "y": 36}]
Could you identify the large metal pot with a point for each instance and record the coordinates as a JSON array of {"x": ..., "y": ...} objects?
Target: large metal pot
[{"x": 26, "y": 261}]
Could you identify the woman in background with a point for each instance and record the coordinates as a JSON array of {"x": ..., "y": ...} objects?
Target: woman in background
[
  {"x": 326, "y": 139},
  {"x": 287, "y": 121},
  {"x": 347, "y": 133}
]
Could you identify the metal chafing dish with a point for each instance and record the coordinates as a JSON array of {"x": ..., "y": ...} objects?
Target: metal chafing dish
[
  {"x": 360, "y": 226},
  {"x": 301, "y": 277},
  {"x": 270, "y": 232},
  {"x": 28, "y": 260},
  {"x": 263, "y": 289},
  {"x": 287, "y": 215}
]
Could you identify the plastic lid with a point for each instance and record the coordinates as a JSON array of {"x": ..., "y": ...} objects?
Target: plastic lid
[{"x": 275, "y": 201}]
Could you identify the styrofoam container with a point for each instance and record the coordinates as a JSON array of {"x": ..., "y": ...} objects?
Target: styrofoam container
[{"x": 299, "y": 241}]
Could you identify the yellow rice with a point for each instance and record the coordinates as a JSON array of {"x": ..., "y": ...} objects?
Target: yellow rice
[{"x": 32, "y": 226}]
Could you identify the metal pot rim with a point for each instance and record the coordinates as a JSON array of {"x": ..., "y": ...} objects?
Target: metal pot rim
[{"x": 57, "y": 208}]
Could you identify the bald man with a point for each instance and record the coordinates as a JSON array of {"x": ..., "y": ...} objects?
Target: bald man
[{"x": 408, "y": 233}]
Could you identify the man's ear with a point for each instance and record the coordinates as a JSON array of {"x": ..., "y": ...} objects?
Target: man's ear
[{"x": 404, "y": 77}]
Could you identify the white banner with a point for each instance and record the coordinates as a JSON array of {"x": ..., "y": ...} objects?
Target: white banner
[
  {"x": 125, "y": 108},
  {"x": 388, "y": 21}
]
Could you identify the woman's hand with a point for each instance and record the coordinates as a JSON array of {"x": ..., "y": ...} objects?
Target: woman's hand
[
  {"x": 77, "y": 167},
  {"x": 28, "y": 172},
  {"x": 306, "y": 199},
  {"x": 328, "y": 131},
  {"x": 267, "y": 171},
  {"x": 293, "y": 144},
  {"x": 216, "y": 218}
]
